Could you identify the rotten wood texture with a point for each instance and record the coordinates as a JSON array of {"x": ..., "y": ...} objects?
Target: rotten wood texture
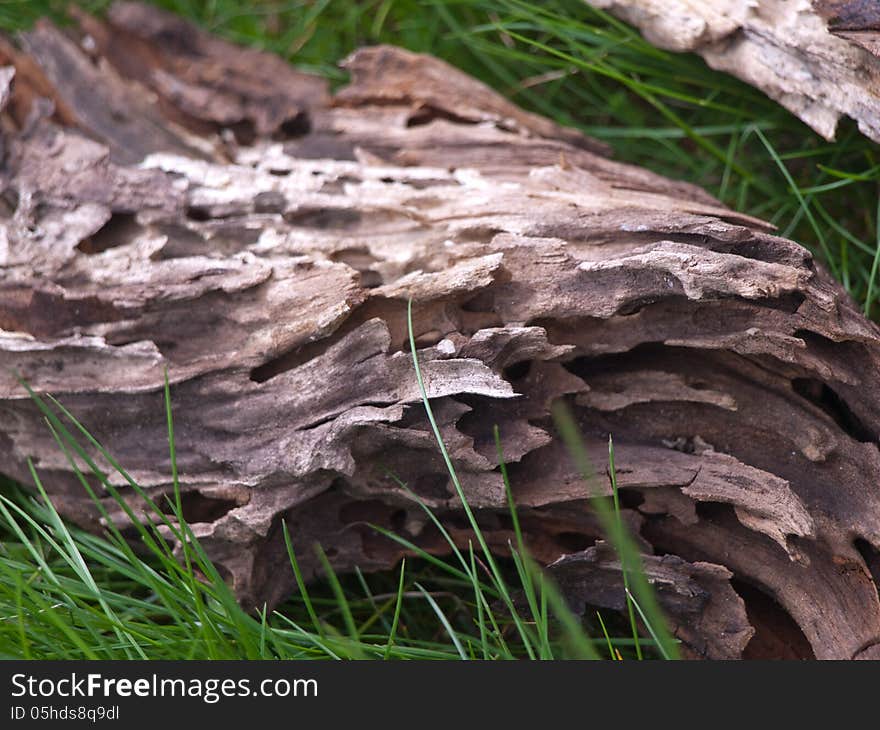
[
  {"x": 818, "y": 58},
  {"x": 260, "y": 241}
]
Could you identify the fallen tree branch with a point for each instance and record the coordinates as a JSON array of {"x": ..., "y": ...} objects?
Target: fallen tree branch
[{"x": 819, "y": 59}]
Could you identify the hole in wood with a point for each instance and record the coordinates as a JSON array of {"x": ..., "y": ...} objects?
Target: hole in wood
[
  {"x": 573, "y": 542},
  {"x": 119, "y": 230},
  {"x": 517, "y": 371},
  {"x": 777, "y": 636},
  {"x": 332, "y": 218},
  {"x": 871, "y": 556},
  {"x": 296, "y": 126},
  {"x": 198, "y": 507},
  {"x": 427, "y": 114},
  {"x": 824, "y": 397}
]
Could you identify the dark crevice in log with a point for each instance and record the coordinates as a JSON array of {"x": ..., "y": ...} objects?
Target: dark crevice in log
[
  {"x": 362, "y": 261},
  {"x": 481, "y": 233},
  {"x": 198, "y": 507},
  {"x": 714, "y": 511},
  {"x": 630, "y": 498},
  {"x": 426, "y": 114},
  {"x": 226, "y": 575},
  {"x": 788, "y": 303},
  {"x": 517, "y": 371},
  {"x": 823, "y": 396},
  {"x": 574, "y": 542},
  {"x": 289, "y": 360},
  {"x": 323, "y": 218},
  {"x": 777, "y": 635},
  {"x": 435, "y": 486},
  {"x": 199, "y": 213},
  {"x": 118, "y": 231},
  {"x": 871, "y": 556},
  {"x": 9, "y": 202},
  {"x": 298, "y": 125},
  {"x": 244, "y": 131}
]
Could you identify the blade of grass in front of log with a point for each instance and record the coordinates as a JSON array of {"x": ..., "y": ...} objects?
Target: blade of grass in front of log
[{"x": 612, "y": 526}]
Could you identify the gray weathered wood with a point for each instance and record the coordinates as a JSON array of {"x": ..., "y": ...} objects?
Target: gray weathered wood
[
  {"x": 267, "y": 266},
  {"x": 818, "y": 58}
]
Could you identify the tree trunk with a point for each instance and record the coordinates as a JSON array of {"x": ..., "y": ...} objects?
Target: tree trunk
[{"x": 173, "y": 202}]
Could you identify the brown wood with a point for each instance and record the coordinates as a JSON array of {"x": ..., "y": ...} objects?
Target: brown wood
[
  {"x": 260, "y": 240},
  {"x": 820, "y": 59}
]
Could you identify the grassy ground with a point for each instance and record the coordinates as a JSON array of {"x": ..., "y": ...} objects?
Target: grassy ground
[
  {"x": 67, "y": 594},
  {"x": 664, "y": 111}
]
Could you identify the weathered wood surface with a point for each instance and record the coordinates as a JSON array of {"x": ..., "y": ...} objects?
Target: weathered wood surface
[
  {"x": 818, "y": 58},
  {"x": 261, "y": 240}
]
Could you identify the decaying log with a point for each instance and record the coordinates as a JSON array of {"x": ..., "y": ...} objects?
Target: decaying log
[
  {"x": 261, "y": 239},
  {"x": 818, "y": 58}
]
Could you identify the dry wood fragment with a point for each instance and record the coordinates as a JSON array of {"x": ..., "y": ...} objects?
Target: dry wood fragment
[
  {"x": 269, "y": 272},
  {"x": 818, "y": 58}
]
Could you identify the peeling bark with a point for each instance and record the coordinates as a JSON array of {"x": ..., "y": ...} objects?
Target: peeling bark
[
  {"x": 269, "y": 272},
  {"x": 820, "y": 59}
]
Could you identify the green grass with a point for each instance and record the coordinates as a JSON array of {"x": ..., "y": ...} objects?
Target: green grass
[
  {"x": 66, "y": 593},
  {"x": 69, "y": 594}
]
